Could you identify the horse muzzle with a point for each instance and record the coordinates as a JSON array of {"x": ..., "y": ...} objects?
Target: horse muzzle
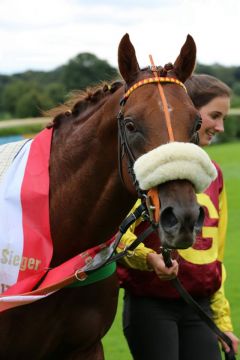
[{"x": 178, "y": 227}]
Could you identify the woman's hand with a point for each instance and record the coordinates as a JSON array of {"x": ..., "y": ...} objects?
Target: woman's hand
[
  {"x": 156, "y": 263},
  {"x": 235, "y": 342}
]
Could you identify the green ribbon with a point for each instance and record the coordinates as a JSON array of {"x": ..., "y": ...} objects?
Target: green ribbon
[{"x": 96, "y": 275}]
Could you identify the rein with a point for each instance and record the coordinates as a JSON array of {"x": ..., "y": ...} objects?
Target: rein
[{"x": 166, "y": 253}]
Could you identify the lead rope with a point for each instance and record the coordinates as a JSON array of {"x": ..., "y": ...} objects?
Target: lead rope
[{"x": 166, "y": 253}]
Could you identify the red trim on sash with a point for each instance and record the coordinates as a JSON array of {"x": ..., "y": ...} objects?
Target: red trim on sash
[{"x": 37, "y": 248}]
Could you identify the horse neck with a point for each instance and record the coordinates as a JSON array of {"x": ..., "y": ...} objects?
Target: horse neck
[{"x": 88, "y": 200}]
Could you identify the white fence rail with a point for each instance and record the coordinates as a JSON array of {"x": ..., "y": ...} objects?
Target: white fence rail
[{"x": 5, "y": 124}]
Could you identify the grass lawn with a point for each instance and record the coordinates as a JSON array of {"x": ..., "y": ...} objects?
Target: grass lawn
[{"x": 228, "y": 157}]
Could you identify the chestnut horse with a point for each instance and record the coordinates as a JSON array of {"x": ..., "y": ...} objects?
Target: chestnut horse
[{"x": 88, "y": 201}]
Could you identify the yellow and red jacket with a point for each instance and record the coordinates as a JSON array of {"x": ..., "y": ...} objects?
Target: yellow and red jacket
[{"x": 201, "y": 270}]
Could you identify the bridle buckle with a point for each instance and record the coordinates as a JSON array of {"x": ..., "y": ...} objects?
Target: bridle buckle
[{"x": 150, "y": 207}]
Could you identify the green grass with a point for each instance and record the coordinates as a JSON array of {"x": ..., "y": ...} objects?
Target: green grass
[
  {"x": 228, "y": 157},
  {"x": 24, "y": 129}
]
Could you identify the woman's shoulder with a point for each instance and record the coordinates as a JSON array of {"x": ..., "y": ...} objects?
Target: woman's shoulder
[
  {"x": 218, "y": 182},
  {"x": 217, "y": 166}
]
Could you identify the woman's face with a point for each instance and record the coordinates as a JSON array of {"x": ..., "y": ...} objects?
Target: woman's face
[{"x": 213, "y": 115}]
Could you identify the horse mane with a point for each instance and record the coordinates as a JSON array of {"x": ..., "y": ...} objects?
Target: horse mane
[{"x": 79, "y": 101}]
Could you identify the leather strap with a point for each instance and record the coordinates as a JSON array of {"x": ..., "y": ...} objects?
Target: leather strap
[
  {"x": 197, "y": 308},
  {"x": 204, "y": 316}
]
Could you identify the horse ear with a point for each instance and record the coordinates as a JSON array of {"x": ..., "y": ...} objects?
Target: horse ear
[
  {"x": 185, "y": 62},
  {"x": 127, "y": 60}
]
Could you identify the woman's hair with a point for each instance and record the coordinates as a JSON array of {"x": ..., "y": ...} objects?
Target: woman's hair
[{"x": 204, "y": 88}]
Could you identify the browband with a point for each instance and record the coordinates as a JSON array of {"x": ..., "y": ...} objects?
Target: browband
[{"x": 156, "y": 79}]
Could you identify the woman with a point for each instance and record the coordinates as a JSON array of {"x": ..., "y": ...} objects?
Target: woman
[{"x": 157, "y": 323}]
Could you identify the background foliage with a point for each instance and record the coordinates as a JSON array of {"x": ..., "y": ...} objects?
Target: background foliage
[{"x": 28, "y": 94}]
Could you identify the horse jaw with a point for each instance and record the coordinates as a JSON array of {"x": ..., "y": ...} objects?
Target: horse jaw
[
  {"x": 127, "y": 60},
  {"x": 185, "y": 62}
]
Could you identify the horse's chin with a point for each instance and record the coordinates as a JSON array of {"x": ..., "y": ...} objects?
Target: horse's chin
[{"x": 178, "y": 245}]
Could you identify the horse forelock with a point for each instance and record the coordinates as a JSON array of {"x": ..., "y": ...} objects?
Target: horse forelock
[
  {"x": 162, "y": 71},
  {"x": 81, "y": 100}
]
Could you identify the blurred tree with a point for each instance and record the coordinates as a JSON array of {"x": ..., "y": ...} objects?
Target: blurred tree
[
  {"x": 32, "y": 103},
  {"x": 27, "y": 94},
  {"x": 232, "y": 129},
  {"x": 236, "y": 88},
  {"x": 56, "y": 92},
  {"x": 237, "y": 73},
  {"x": 11, "y": 94},
  {"x": 85, "y": 70},
  {"x": 16, "y": 91},
  {"x": 4, "y": 80},
  {"x": 224, "y": 73}
]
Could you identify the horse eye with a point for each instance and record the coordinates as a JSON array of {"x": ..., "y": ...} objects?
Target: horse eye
[
  {"x": 198, "y": 123},
  {"x": 198, "y": 127},
  {"x": 195, "y": 138},
  {"x": 130, "y": 126}
]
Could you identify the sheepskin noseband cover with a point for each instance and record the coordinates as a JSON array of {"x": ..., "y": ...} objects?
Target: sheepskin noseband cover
[{"x": 173, "y": 161}]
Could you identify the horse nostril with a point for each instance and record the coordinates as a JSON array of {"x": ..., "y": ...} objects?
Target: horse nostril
[
  {"x": 168, "y": 219},
  {"x": 199, "y": 222}
]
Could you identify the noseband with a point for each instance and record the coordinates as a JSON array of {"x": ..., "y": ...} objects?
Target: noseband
[{"x": 151, "y": 198}]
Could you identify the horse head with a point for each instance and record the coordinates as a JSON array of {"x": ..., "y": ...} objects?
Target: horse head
[{"x": 157, "y": 122}]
